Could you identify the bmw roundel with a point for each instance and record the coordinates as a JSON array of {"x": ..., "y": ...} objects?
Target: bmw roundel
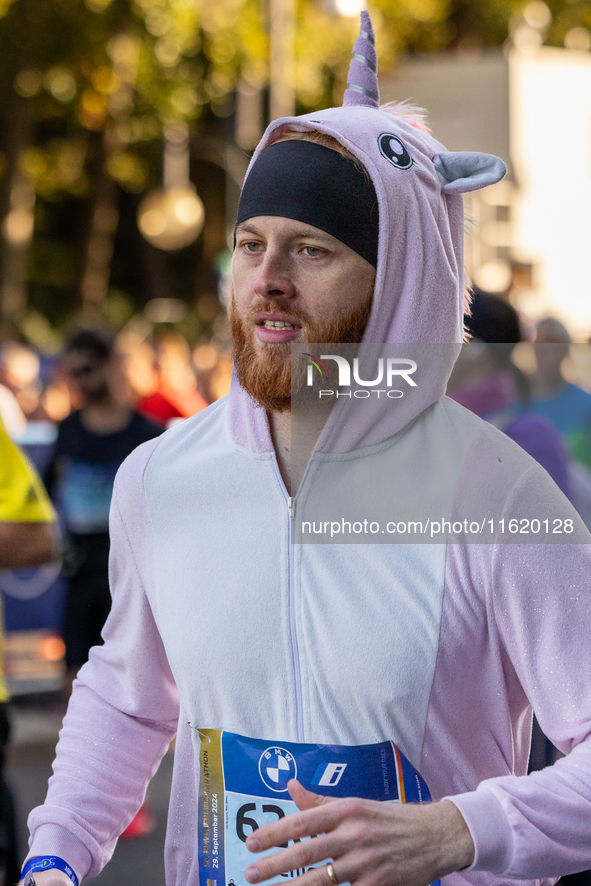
[
  {"x": 394, "y": 151},
  {"x": 276, "y": 767}
]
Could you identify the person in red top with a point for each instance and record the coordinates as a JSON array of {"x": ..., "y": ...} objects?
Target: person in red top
[{"x": 174, "y": 394}]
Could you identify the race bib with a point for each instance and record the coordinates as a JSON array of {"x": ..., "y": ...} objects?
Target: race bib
[{"x": 243, "y": 786}]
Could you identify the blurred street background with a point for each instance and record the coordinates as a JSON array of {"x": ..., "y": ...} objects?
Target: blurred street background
[{"x": 126, "y": 127}]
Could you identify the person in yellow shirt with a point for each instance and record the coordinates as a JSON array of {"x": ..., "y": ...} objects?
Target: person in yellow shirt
[
  {"x": 28, "y": 536},
  {"x": 27, "y": 520}
]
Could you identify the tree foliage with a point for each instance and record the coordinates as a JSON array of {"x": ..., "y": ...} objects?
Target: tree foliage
[{"x": 89, "y": 86}]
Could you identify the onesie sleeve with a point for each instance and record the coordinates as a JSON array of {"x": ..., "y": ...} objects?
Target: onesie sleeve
[
  {"x": 539, "y": 600},
  {"x": 124, "y": 707}
]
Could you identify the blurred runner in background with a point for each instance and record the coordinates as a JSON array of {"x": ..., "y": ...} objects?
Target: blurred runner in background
[
  {"x": 487, "y": 382},
  {"x": 92, "y": 442},
  {"x": 28, "y": 536},
  {"x": 567, "y": 406},
  {"x": 162, "y": 379}
]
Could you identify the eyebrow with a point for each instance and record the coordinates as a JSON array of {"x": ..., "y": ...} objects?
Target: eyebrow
[
  {"x": 249, "y": 229},
  {"x": 312, "y": 233}
]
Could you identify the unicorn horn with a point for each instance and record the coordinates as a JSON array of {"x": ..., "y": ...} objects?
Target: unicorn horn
[{"x": 362, "y": 85}]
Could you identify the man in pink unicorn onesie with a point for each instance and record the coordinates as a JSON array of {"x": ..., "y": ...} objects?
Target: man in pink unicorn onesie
[{"x": 350, "y": 229}]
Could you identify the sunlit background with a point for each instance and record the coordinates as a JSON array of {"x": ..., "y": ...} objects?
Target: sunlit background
[{"x": 126, "y": 128}]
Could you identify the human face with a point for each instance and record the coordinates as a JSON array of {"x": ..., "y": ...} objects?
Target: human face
[
  {"x": 550, "y": 352},
  {"x": 87, "y": 374},
  {"x": 292, "y": 282}
]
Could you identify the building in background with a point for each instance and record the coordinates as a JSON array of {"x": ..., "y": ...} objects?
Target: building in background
[{"x": 530, "y": 105}]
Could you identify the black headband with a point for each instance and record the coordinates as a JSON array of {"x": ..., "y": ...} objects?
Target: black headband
[{"x": 318, "y": 186}]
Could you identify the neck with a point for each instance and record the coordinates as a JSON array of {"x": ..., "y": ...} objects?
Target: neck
[
  {"x": 280, "y": 427},
  {"x": 106, "y": 415},
  {"x": 294, "y": 435},
  {"x": 548, "y": 385}
]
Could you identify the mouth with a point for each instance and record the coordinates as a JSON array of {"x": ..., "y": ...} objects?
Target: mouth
[
  {"x": 277, "y": 327},
  {"x": 277, "y": 324}
]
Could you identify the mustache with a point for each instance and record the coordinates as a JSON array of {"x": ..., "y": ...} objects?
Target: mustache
[{"x": 280, "y": 306}]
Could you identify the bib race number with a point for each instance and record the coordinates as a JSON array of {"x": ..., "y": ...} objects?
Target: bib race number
[{"x": 243, "y": 786}]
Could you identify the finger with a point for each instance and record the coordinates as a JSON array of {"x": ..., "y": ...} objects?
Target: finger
[
  {"x": 303, "y": 798},
  {"x": 308, "y": 823},
  {"x": 297, "y": 857},
  {"x": 352, "y": 860},
  {"x": 319, "y": 877},
  {"x": 315, "y": 876}
]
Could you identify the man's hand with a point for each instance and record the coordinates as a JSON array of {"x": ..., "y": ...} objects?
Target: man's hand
[
  {"x": 371, "y": 843},
  {"x": 52, "y": 877}
]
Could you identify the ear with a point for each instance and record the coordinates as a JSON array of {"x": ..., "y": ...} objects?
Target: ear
[{"x": 461, "y": 171}]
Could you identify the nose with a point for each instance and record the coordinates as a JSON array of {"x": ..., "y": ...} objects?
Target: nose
[{"x": 274, "y": 279}]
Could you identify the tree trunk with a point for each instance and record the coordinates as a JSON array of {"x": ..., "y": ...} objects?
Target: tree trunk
[
  {"x": 17, "y": 200},
  {"x": 104, "y": 218}
]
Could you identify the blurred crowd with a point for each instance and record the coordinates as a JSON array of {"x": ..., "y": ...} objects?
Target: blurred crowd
[
  {"x": 77, "y": 416},
  {"x": 164, "y": 379}
]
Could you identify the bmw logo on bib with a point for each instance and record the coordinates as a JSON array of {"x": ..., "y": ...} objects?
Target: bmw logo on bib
[{"x": 276, "y": 767}]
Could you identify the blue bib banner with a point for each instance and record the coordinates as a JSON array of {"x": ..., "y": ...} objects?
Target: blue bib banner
[{"x": 243, "y": 786}]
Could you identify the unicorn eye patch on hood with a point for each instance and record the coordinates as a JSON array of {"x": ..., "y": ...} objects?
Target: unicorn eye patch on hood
[{"x": 318, "y": 186}]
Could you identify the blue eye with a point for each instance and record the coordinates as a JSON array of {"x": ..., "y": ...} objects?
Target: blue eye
[{"x": 394, "y": 151}]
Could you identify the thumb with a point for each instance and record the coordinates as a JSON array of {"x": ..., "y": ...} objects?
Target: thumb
[
  {"x": 49, "y": 878},
  {"x": 303, "y": 798}
]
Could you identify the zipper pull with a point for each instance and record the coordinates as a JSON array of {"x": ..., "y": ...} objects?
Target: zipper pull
[{"x": 291, "y": 508}]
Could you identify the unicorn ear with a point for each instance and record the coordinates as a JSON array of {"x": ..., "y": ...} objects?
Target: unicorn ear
[{"x": 464, "y": 171}]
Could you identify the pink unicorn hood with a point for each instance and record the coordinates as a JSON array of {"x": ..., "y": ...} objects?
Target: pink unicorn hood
[{"x": 420, "y": 284}]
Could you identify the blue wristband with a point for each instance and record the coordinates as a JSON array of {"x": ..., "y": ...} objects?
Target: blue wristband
[{"x": 45, "y": 863}]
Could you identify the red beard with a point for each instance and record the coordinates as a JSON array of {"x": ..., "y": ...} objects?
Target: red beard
[{"x": 267, "y": 376}]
